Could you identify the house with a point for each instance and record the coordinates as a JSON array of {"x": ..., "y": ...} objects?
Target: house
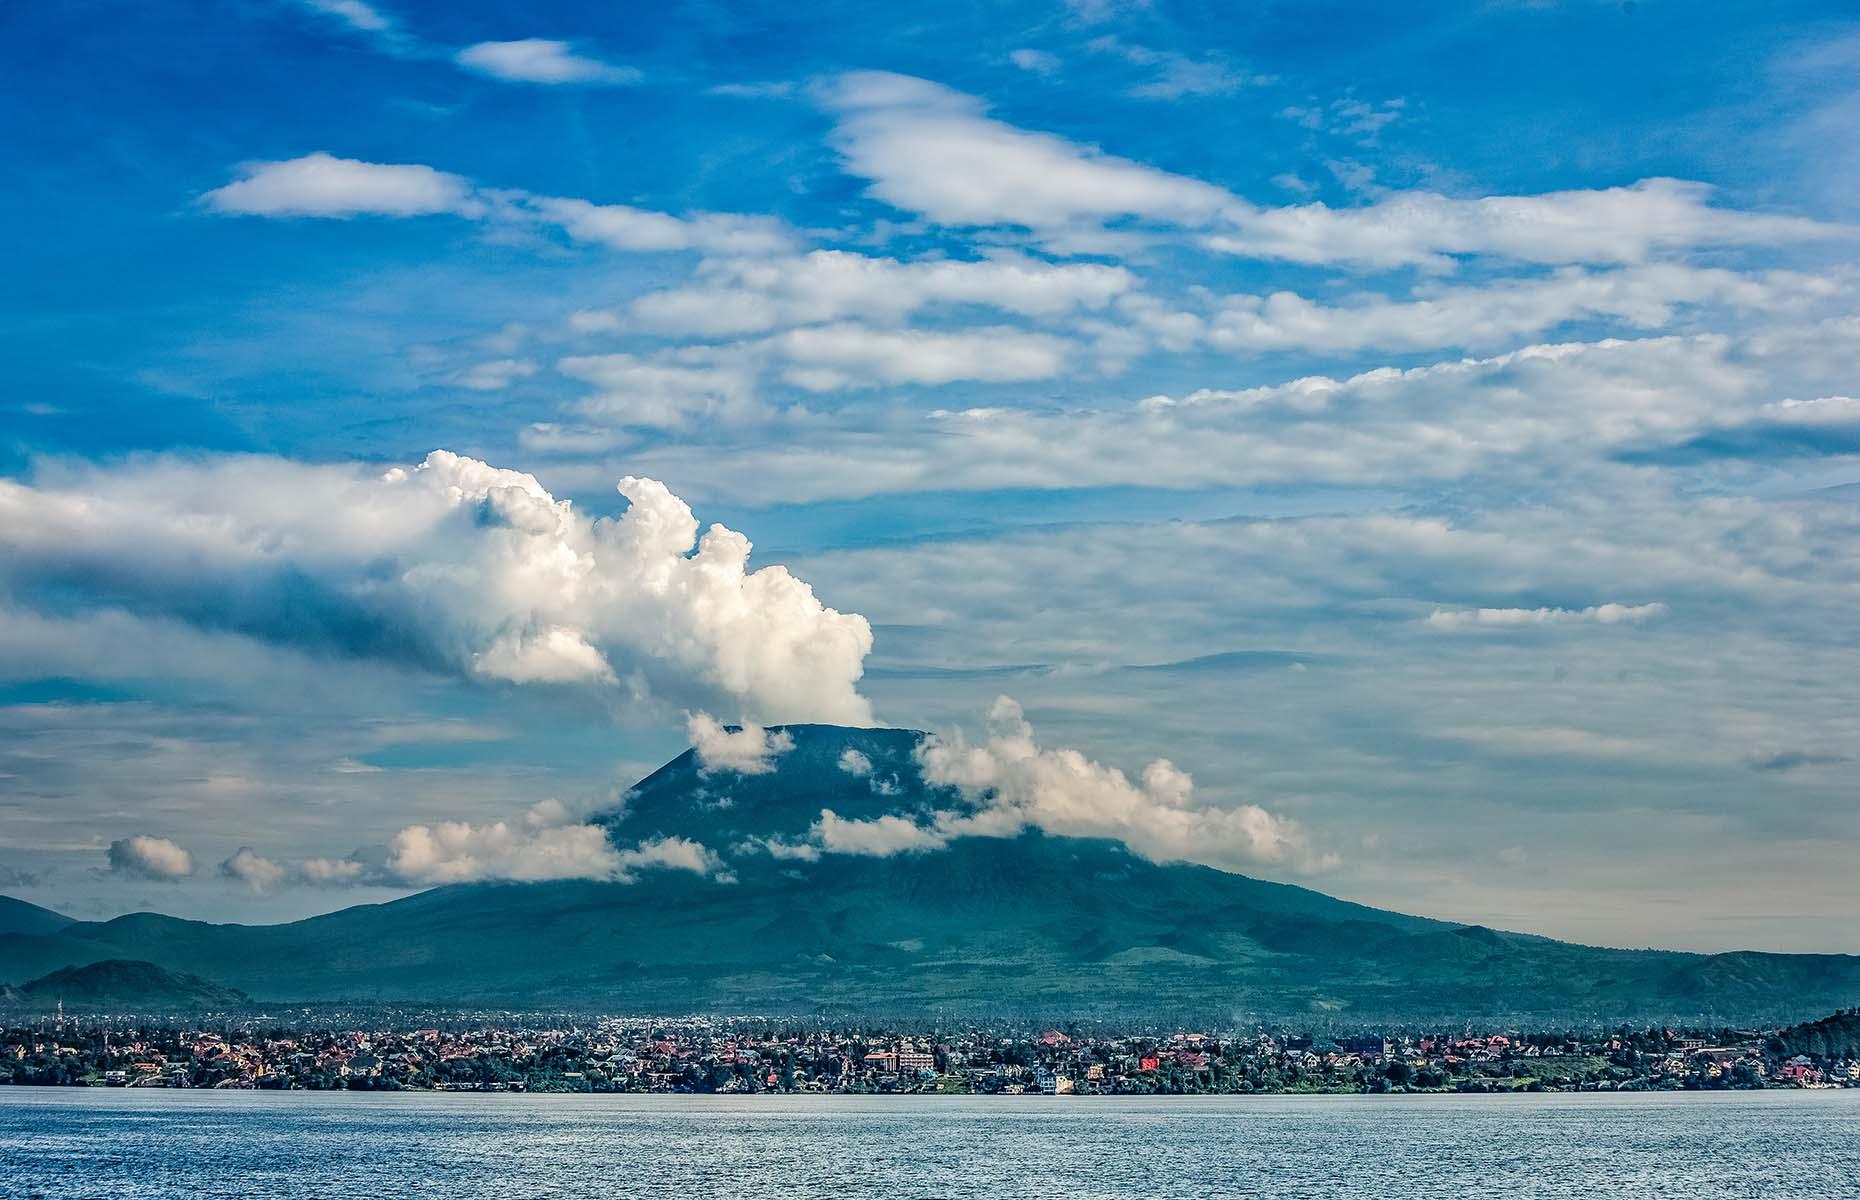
[
  {"x": 1800, "y": 1071},
  {"x": 1366, "y": 1047}
]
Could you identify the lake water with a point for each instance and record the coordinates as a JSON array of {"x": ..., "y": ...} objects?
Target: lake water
[{"x": 130, "y": 1144}]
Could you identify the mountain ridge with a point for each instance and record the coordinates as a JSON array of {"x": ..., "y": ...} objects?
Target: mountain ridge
[
  {"x": 1035, "y": 923},
  {"x": 20, "y": 916}
]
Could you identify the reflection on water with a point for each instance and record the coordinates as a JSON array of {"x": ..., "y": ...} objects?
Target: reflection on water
[{"x": 90, "y": 1142}]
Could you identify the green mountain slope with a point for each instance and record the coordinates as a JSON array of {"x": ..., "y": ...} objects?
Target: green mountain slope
[
  {"x": 127, "y": 986},
  {"x": 1033, "y": 925},
  {"x": 17, "y": 916}
]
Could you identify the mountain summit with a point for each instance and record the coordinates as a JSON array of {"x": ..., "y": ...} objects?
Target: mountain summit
[
  {"x": 859, "y": 774},
  {"x": 1031, "y": 924}
]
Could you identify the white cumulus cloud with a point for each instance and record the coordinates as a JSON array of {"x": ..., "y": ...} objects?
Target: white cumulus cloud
[
  {"x": 331, "y": 872},
  {"x": 256, "y": 872},
  {"x": 451, "y": 565},
  {"x": 322, "y": 185},
  {"x": 880, "y": 837},
  {"x": 543, "y": 846},
  {"x": 745, "y": 750},
  {"x": 1009, "y": 783},
  {"x": 150, "y": 858},
  {"x": 1016, "y": 783},
  {"x": 460, "y": 852}
]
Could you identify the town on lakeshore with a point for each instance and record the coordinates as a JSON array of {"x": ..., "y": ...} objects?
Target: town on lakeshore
[{"x": 514, "y": 1053}]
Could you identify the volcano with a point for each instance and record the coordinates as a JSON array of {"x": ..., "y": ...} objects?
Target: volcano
[{"x": 1030, "y": 925}]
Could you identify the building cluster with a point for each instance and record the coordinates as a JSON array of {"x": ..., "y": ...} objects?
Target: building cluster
[{"x": 748, "y": 1055}]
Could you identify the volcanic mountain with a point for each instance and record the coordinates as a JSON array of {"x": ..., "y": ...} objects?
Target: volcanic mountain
[{"x": 1033, "y": 925}]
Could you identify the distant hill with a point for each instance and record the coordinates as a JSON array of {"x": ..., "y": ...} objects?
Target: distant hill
[
  {"x": 17, "y": 916},
  {"x": 1034, "y": 925},
  {"x": 126, "y": 986},
  {"x": 1832, "y": 1038}
]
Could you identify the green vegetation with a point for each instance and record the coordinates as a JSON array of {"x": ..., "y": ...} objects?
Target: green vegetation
[
  {"x": 124, "y": 985},
  {"x": 1834, "y": 1037}
]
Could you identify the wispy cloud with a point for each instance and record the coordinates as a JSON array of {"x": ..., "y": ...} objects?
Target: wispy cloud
[
  {"x": 322, "y": 185},
  {"x": 541, "y": 60},
  {"x": 934, "y": 151},
  {"x": 359, "y": 16},
  {"x": 1526, "y": 618},
  {"x": 1174, "y": 75}
]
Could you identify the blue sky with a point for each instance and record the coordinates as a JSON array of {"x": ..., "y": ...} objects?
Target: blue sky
[{"x": 1431, "y": 428}]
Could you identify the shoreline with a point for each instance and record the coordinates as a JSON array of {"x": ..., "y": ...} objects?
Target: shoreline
[
  {"x": 7, "y": 1089},
  {"x": 742, "y": 1101}
]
